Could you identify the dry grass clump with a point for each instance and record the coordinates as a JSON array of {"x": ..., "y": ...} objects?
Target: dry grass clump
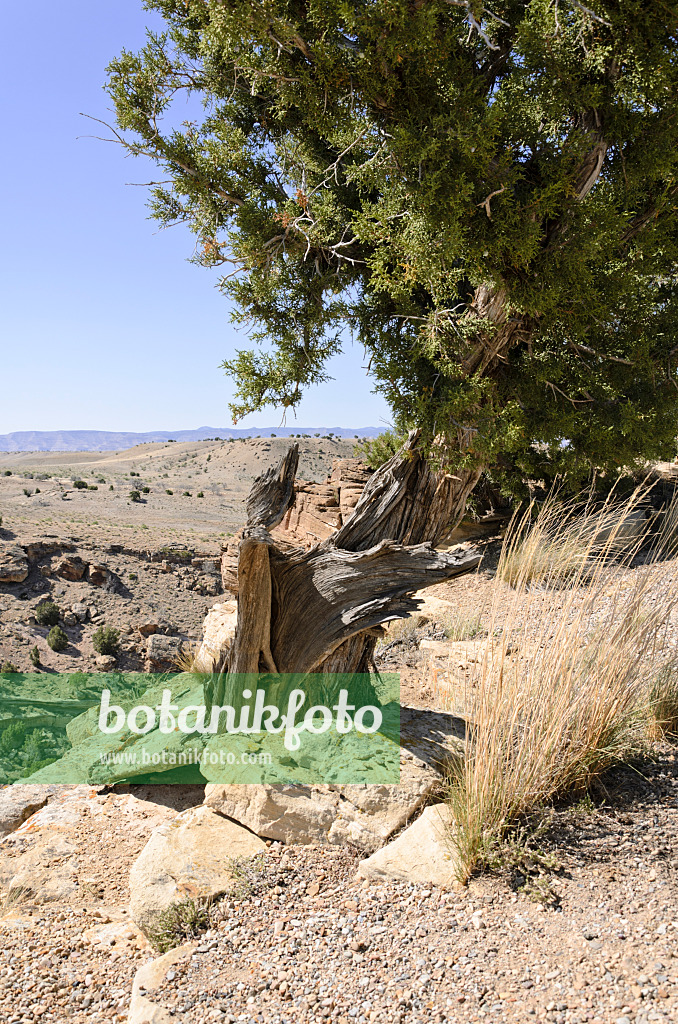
[
  {"x": 663, "y": 703},
  {"x": 559, "y": 542},
  {"x": 577, "y": 699}
]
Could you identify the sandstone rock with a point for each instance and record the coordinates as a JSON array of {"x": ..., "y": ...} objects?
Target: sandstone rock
[
  {"x": 195, "y": 856},
  {"x": 71, "y": 568},
  {"x": 162, "y": 653},
  {"x": 70, "y": 619},
  {"x": 218, "y": 633},
  {"x": 18, "y": 803},
  {"x": 144, "y": 1008},
  {"x": 13, "y": 563},
  {"x": 148, "y": 627},
  {"x": 99, "y": 574},
  {"x": 362, "y": 814},
  {"x": 105, "y": 662},
  {"x": 45, "y": 546},
  {"x": 422, "y": 853}
]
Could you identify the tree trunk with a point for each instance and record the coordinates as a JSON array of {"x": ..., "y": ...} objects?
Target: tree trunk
[{"x": 322, "y": 609}]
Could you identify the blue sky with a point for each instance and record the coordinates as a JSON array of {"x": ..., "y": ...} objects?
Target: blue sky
[{"x": 104, "y": 324}]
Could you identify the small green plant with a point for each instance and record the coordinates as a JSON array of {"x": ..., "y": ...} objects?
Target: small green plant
[
  {"x": 57, "y": 639},
  {"x": 37, "y": 490},
  {"x": 200, "y": 494},
  {"x": 145, "y": 490},
  {"x": 111, "y": 487},
  {"x": 134, "y": 496},
  {"x": 187, "y": 494},
  {"x": 27, "y": 492},
  {"x": 168, "y": 491},
  {"x": 106, "y": 640},
  {"x": 179, "y": 923},
  {"x": 133, "y": 576},
  {"x": 7, "y": 668},
  {"x": 90, "y": 487},
  {"x": 80, "y": 485},
  {"x": 35, "y": 656},
  {"x": 47, "y": 614},
  {"x": 8, "y": 472},
  {"x": 101, "y": 480}
]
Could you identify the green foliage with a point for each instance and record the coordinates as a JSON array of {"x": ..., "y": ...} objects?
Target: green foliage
[
  {"x": 35, "y": 656},
  {"x": 180, "y": 922},
  {"x": 134, "y": 496},
  {"x": 168, "y": 491},
  {"x": 375, "y": 451},
  {"x": 47, "y": 614},
  {"x": 433, "y": 179},
  {"x": 8, "y": 472},
  {"x": 57, "y": 639},
  {"x": 106, "y": 640},
  {"x": 27, "y": 492},
  {"x": 80, "y": 485},
  {"x": 200, "y": 494},
  {"x": 145, "y": 490},
  {"x": 90, "y": 487},
  {"x": 8, "y": 668},
  {"x": 186, "y": 494}
]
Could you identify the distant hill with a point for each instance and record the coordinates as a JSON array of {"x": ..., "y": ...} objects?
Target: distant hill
[{"x": 110, "y": 441}]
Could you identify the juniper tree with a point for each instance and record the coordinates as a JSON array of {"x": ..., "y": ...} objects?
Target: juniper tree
[{"x": 483, "y": 197}]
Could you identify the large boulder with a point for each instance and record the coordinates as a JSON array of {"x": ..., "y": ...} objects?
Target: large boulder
[
  {"x": 162, "y": 653},
  {"x": 198, "y": 855},
  {"x": 422, "y": 853},
  {"x": 13, "y": 563}
]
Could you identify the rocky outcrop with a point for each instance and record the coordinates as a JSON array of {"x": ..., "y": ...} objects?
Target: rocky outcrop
[
  {"x": 422, "y": 853},
  {"x": 361, "y": 814},
  {"x": 18, "y": 803},
  {"x": 319, "y": 510},
  {"x": 197, "y": 856},
  {"x": 71, "y": 568},
  {"x": 13, "y": 563}
]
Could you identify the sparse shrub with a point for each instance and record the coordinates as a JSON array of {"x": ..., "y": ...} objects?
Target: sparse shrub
[
  {"x": 168, "y": 491},
  {"x": 35, "y": 656},
  {"x": 111, "y": 487},
  {"x": 106, "y": 640},
  {"x": 80, "y": 485},
  {"x": 8, "y": 472},
  {"x": 47, "y": 614},
  {"x": 90, "y": 487},
  {"x": 37, "y": 490},
  {"x": 463, "y": 627},
  {"x": 134, "y": 496},
  {"x": 145, "y": 490},
  {"x": 200, "y": 494},
  {"x": 57, "y": 639},
  {"x": 7, "y": 668},
  {"x": 187, "y": 494},
  {"x": 101, "y": 480},
  {"x": 133, "y": 473},
  {"x": 27, "y": 492},
  {"x": 133, "y": 576},
  {"x": 179, "y": 923}
]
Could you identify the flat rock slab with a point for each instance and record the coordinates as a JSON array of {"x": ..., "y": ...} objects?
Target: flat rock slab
[
  {"x": 363, "y": 815},
  {"x": 145, "y": 1005},
  {"x": 18, "y": 803},
  {"x": 195, "y": 856},
  {"x": 422, "y": 853}
]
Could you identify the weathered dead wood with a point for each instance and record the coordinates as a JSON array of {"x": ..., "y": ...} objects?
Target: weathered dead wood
[
  {"x": 336, "y": 594},
  {"x": 272, "y": 493},
  {"x": 251, "y": 650},
  {"x": 405, "y": 501}
]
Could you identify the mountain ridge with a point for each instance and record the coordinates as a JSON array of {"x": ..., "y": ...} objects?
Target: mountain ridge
[{"x": 112, "y": 440}]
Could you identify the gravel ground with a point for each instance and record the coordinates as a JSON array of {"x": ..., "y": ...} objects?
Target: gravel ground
[{"x": 310, "y": 943}]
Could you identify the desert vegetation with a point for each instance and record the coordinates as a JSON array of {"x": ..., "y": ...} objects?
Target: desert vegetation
[{"x": 577, "y": 673}]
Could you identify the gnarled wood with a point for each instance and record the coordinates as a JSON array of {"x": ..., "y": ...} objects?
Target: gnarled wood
[
  {"x": 251, "y": 650},
  {"x": 336, "y": 594},
  {"x": 272, "y": 493}
]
